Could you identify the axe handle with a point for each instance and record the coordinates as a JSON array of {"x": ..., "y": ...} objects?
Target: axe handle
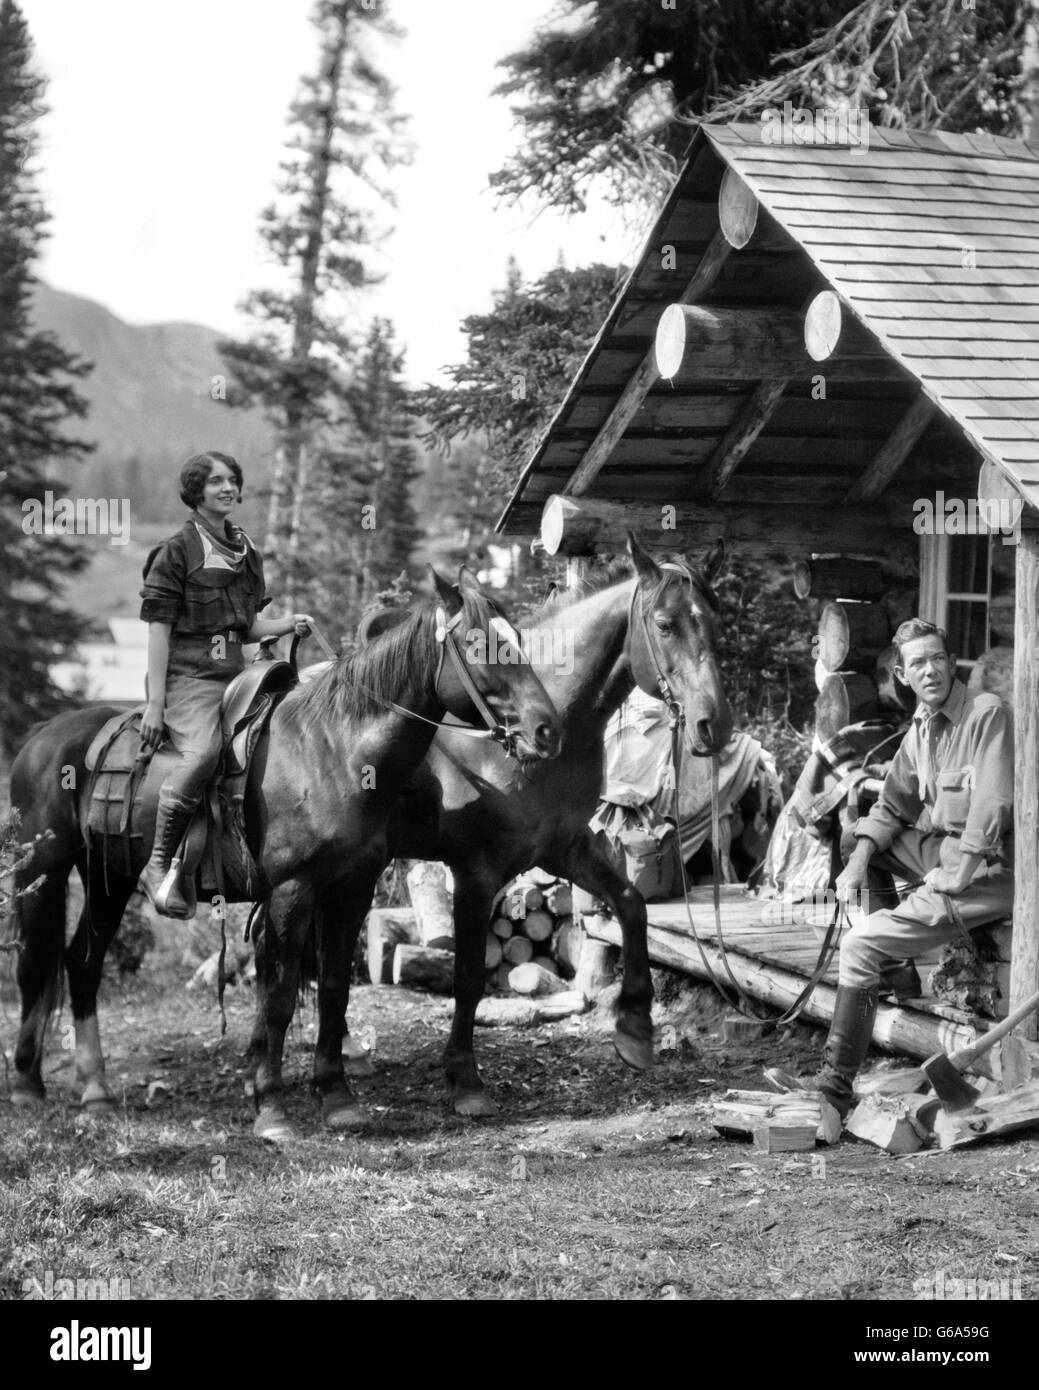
[{"x": 962, "y": 1059}]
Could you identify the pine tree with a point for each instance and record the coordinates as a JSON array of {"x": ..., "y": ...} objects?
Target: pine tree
[
  {"x": 521, "y": 357},
  {"x": 345, "y": 139},
  {"x": 37, "y": 398},
  {"x": 1027, "y": 100},
  {"x": 920, "y": 64},
  {"x": 361, "y": 524},
  {"x": 380, "y": 401},
  {"x": 609, "y": 93}
]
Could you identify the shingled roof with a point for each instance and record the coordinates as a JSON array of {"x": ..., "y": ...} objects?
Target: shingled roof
[{"x": 931, "y": 242}]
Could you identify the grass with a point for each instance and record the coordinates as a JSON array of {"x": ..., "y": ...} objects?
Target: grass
[{"x": 593, "y": 1183}]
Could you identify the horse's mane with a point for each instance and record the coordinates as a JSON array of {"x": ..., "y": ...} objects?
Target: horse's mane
[
  {"x": 360, "y": 685},
  {"x": 615, "y": 571}
]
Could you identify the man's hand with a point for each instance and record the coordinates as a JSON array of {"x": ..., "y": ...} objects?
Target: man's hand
[
  {"x": 152, "y": 728},
  {"x": 945, "y": 881},
  {"x": 855, "y": 875},
  {"x": 954, "y": 869}
]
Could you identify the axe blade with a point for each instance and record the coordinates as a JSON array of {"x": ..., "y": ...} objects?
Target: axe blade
[{"x": 949, "y": 1085}]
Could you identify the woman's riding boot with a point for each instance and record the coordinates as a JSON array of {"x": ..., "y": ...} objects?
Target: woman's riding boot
[
  {"x": 846, "y": 1046},
  {"x": 161, "y": 876}
]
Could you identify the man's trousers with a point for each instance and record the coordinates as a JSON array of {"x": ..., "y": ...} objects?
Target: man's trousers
[{"x": 925, "y": 919}]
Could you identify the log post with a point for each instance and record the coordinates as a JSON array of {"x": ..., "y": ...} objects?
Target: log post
[
  {"x": 1024, "y": 969},
  {"x": 596, "y": 968},
  {"x": 727, "y": 342},
  {"x": 835, "y": 576},
  {"x": 846, "y": 697},
  {"x": 594, "y": 526},
  {"x": 424, "y": 967},
  {"x": 427, "y": 887},
  {"x": 851, "y": 636},
  {"x": 387, "y": 928},
  {"x": 735, "y": 344}
]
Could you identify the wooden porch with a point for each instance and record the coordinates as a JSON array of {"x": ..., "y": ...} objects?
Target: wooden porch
[{"x": 772, "y": 957}]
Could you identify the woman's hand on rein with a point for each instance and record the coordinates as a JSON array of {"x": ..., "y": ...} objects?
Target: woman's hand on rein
[{"x": 300, "y": 624}]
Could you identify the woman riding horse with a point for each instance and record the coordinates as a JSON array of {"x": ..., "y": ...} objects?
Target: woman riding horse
[{"x": 203, "y": 589}]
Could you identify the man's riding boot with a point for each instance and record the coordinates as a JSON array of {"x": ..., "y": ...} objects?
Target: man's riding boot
[
  {"x": 846, "y": 1046},
  {"x": 161, "y": 876},
  {"x": 899, "y": 980}
]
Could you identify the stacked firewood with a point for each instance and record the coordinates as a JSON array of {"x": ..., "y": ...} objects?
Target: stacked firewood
[
  {"x": 532, "y": 934},
  {"x": 535, "y": 948}
]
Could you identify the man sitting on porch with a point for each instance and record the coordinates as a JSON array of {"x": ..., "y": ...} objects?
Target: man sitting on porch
[{"x": 942, "y": 824}]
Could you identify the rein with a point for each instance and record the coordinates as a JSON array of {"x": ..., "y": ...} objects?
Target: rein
[
  {"x": 677, "y": 721},
  {"x": 744, "y": 1005},
  {"x": 495, "y": 731}
]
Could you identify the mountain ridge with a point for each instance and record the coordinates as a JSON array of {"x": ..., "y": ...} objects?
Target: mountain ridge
[{"x": 152, "y": 405}]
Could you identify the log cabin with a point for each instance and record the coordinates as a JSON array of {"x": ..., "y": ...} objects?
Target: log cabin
[{"x": 819, "y": 348}]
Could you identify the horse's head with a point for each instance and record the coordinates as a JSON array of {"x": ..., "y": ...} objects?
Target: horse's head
[
  {"x": 487, "y": 664},
  {"x": 670, "y": 643}
]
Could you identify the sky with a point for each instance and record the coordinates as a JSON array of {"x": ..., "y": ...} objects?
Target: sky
[{"x": 166, "y": 128}]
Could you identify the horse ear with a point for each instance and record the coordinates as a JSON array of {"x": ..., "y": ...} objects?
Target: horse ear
[
  {"x": 645, "y": 566},
  {"x": 467, "y": 580},
  {"x": 446, "y": 592},
  {"x": 711, "y": 564}
]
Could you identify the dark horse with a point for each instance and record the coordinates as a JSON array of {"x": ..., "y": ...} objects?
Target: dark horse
[
  {"x": 322, "y": 786},
  {"x": 489, "y": 819}
]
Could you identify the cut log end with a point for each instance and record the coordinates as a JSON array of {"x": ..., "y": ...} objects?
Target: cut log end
[
  {"x": 669, "y": 344},
  {"x": 533, "y": 979},
  {"x": 424, "y": 967},
  {"x": 737, "y": 210},
  {"x": 823, "y": 326}
]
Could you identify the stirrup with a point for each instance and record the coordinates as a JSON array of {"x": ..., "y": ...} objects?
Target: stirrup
[{"x": 183, "y": 906}]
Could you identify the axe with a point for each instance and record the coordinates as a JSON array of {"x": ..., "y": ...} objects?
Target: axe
[{"x": 944, "y": 1070}]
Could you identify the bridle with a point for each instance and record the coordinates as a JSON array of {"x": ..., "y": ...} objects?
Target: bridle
[
  {"x": 444, "y": 635},
  {"x": 676, "y": 713},
  {"x": 496, "y": 731}
]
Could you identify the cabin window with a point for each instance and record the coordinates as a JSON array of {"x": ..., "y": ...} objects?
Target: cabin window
[{"x": 967, "y": 587}]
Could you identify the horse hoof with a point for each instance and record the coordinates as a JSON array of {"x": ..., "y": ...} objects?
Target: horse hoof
[
  {"x": 27, "y": 1099},
  {"x": 344, "y": 1117},
  {"x": 273, "y": 1126},
  {"x": 103, "y": 1108},
  {"x": 475, "y": 1105},
  {"x": 97, "y": 1101},
  {"x": 636, "y": 1053},
  {"x": 358, "y": 1067}
]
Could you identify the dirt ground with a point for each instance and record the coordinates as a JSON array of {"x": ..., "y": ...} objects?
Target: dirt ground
[{"x": 593, "y": 1182}]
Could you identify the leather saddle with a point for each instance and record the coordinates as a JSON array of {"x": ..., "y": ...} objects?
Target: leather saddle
[{"x": 216, "y": 853}]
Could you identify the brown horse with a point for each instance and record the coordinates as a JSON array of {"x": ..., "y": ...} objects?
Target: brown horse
[
  {"x": 489, "y": 819},
  {"x": 323, "y": 783}
]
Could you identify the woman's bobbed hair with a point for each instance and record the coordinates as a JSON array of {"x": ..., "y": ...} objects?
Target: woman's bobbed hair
[{"x": 195, "y": 474}]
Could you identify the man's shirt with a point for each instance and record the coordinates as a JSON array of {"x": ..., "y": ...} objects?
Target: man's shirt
[{"x": 953, "y": 773}]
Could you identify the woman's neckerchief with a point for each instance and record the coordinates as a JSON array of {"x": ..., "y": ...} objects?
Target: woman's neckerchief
[{"x": 221, "y": 552}]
